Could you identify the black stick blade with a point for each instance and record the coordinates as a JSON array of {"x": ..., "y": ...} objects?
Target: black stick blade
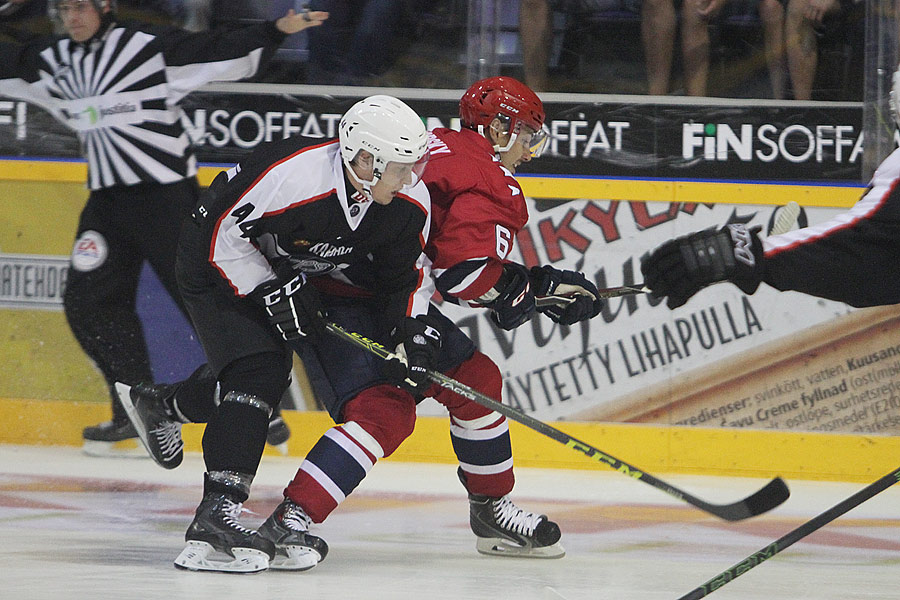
[{"x": 771, "y": 495}]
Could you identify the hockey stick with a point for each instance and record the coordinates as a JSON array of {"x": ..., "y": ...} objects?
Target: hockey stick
[
  {"x": 786, "y": 218},
  {"x": 605, "y": 293},
  {"x": 774, "y": 493},
  {"x": 794, "y": 536}
]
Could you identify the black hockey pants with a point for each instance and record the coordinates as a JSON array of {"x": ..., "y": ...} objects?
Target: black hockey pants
[{"x": 120, "y": 228}]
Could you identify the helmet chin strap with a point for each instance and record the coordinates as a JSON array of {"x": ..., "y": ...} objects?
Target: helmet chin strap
[
  {"x": 497, "y": 148},
  {"x": 366, "y": 185}
]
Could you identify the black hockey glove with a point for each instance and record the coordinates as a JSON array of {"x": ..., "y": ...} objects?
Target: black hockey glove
[
  {"x": 514, "y": 303},
  {"x": 566, "y": 297},
  {"x": 680, "y": 268},
  {"x": 418, "y": 342},
  {"x": 292, "y": 307}
]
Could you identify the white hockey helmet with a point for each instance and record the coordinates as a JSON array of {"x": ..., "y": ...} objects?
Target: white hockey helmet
[{"x": 387, "y": 129}]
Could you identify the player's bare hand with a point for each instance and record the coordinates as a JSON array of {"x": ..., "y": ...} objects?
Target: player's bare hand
[
  {"x": 817, "y": 9},
  {"x": 293, "y": 21}
]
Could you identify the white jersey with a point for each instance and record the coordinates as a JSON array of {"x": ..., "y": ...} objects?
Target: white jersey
[{"x": 289, "y": 208}]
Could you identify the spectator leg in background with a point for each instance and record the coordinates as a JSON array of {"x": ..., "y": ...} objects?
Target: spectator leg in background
[
  {"x": 658, "y": 34},
  {"x": 771, "y": 13},
  {"x": 536, "y": 37},
  {"x": 694, "y": 48},
  {"x": 372, "y": 44},
  {"x": 802, "y": 45}
]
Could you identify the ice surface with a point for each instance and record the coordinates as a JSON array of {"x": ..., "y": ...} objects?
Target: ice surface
[{"x": 75, "y": 527}]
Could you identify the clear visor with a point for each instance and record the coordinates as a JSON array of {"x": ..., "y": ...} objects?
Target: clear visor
[
  {"x": 535, "y": 141},
  {"x": 403, "y": 173}
]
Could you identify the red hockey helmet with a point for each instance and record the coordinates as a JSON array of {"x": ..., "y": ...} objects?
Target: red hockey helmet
[{"x": 509, "y": 100}]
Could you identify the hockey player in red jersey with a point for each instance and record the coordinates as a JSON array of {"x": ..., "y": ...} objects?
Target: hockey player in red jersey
[{"x": 477, "y": 210}]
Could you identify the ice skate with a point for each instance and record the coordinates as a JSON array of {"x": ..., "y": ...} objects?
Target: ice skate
[
  {"x": 295, "y": 549},
  {"x": 504, "y": 529},
  {"x": 111, "y": 438},
  {"x": 216, "y": 541},
  {"x": 159, "y": 432},
  {"x": 278, "y": 434}
]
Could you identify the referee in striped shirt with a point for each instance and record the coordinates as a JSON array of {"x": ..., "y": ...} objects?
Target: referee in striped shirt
[{"x": 118, "y": 87}]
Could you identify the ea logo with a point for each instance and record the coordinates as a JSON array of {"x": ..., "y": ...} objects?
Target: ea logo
[{"x": 89, "y": 252}]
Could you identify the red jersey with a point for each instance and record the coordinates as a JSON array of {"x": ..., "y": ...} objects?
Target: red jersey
[{"x": 478, "y": 208}]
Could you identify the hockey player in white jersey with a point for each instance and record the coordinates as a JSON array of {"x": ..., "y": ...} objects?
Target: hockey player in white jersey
[
  {"x": 850, "y": 258},
  {"x": 297, "y": 229},
  {"x": 118, "y": 88}
]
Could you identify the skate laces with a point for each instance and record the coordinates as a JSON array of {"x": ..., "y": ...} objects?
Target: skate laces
[
  {"x": 512, "y": 518},
  {"x": 168, "y": 434},
  {"x": 231, "y": 512},
  {"x": 295, "y": 518}
]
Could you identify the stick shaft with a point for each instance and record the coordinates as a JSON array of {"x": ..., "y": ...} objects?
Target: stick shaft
[
  {"x": 793, "y": 536},
  {"x": 765, "y": 499},
  {"x": 604, "y": 294}
]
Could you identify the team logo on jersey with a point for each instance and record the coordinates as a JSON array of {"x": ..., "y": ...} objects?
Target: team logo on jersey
[
  {"x": 302, "y": 243},
  {"x": 326, "y": 250},
  {"x": 311, "y": 265},
  {"x": 89, "y": 252},
  {"x": 354, "y": 210}
]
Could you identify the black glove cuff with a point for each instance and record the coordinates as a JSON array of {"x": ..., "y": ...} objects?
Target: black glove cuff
[{"x": 542, "y": 280}]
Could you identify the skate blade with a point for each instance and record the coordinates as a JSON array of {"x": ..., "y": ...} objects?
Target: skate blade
[
  {"x": 282, "y": 448},
  {"x": 299, "y": 558},
  {"x": 195, "y": 557},
  {"x": 501, "y": 547},
  {"x": 124, "y": 393},
  {"x": 129, "y": 448}
]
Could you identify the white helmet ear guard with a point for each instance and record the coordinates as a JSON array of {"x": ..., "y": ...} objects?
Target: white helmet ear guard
[
  {"x": 387, "y": 129},
  {"x": 894, "y": 98}
]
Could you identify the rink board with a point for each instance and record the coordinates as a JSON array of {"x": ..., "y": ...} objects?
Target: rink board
[
  {"x": 560, "y": 187},
  {"x": 704, "y": 451}
]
